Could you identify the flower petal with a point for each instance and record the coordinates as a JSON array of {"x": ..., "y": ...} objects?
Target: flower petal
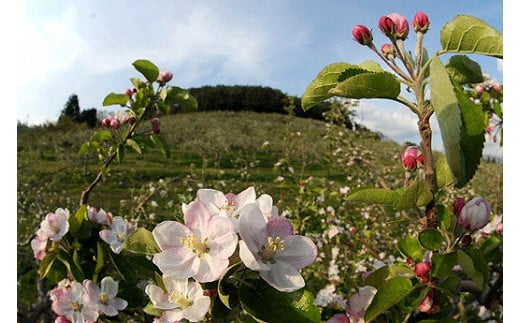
[
  {"x": 279, "y": 227},
  {"x": 283, "y": 277},
  {"x": 167, "y": 234},
  {"x": 252, "y": 225},
  {"x": 299, "y": 251},
  {"x": 196, "y": 217},
  {"x": 249, "y": 259},
  {"x": 159, "y": 298},
  {"x": 210, "y": 269},
  {"x": 222, "y": 238},
  {"x": 177, "y": 262},
  {"x": 197, "y": 311}
]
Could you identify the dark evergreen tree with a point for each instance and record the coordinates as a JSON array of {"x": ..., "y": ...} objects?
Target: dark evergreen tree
[{"x": 71, "y": 109}]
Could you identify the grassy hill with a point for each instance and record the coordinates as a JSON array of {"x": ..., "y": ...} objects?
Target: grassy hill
[{"x": 296, "y": 161}]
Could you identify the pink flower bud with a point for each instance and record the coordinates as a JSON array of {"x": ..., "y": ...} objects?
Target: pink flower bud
[
  {"x": 474, "y": 215},
  {"x": 362, "y": 35},
  {"x": 426, "y": 304},
  {"x": 129, "y": 92},
  {"x": 388, "y": 51},
  {"x": 401, "y": 26},
  {"x": 387, "y": 26},
  {"x": 106, "y": 122},
  {"x": 479, "y": 89},
  {"x": 165, "y": 77},
  {"x": 115, "y": 124},
  {"x": 466, "y": 240},
  {"x": 412, "y": 157},
  {"x": 420, "y": 22},
  {"x": 457, "y": 205},
  {"x": 496, "y": 87},
  {"x": 422, "y": 268},
  {"x": 156, "y": 125}
]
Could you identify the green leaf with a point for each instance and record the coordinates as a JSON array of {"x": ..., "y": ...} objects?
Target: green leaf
[
  {"x": 318, "y": 90},
  {"x": 163, "y": 145},
  {"x": 379, "y": 276},
  {"x": 76, "y": 221},
  {"x": 115, "y": 99},
  {"x": 147, "y": 68},
  {"x": 132, "y": 143},
  {"x": 267, "y": 304},
  {"x": 416, "y": 195},
  {"x": 473, "y": 135},
  {"x": 183, "y": 98},
  {"x": 120, "y": 153},
  {"x": 388, "y": 294},
  {"x": 141, "y": 241},
  {"x": 374, "y": 196},
  {"x": 443, "y": 175},
  {"x": 446, "y": 219},
  {"x": 464, "y": 70},
  {"x": 411, "y": 247},
  {"x": 446, "y": 107},
  {"x": 442, "y": 264},
  {"x": 227, "y": 293},
  {"x": 71, "y": 266},
  {"x": 431, "y": 239},
  {"x": 467, "y": 34},
  {"x": 474, "y": 266},
  {"x": 450, "y": 285},
  {"x": 368, "y": 85},
  {"x": 47, "y": 263}
]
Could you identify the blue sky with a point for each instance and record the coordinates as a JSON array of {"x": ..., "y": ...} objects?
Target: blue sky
[{"x": 87, "y": 47}]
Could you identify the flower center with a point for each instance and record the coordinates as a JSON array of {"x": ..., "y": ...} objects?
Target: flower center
[
  {"x": 121, "y": 237},
  {"x": 76, "y": 306},
  {"x": 228, "y": 207},
  {"x": 179, "y": 299},
  {"x": 193, "y": 242},
  {"x": 268, "y": 250},
  {"x": 55, "y": 227},
  {"x": 103, "y": 298}
]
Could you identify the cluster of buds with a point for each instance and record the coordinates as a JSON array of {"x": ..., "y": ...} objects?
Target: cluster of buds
[
  {"x": 487, "y": 86},
  {"x": 394, "y": 26},
  {"x": 412, "y": 158},
  {"x": 473, "y": 215},
  {"x": 115, "y": 121}
]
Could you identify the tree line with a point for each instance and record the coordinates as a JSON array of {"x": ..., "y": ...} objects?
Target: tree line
[{"x": 259, "y": 99}]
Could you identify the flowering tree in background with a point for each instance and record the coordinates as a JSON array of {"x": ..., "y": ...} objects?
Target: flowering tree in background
[{"x": 234, "y": 257}]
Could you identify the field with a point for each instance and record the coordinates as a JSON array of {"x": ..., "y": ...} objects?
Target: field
[{"x": 307, "y": 166}]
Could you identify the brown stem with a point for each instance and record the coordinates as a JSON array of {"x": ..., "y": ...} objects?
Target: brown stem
[
  {"x": 85, "y": 194},
  {"x": 426, "y": 147}
]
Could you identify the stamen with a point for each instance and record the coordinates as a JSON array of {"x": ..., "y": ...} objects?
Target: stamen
[
  {"x": 268, "y": 250},
  {"x": 179, "y": 299},
  {"x": 193, "y": 242}
]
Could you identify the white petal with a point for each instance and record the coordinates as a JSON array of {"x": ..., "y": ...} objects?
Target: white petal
[
  {"x": 167, "y": 234},
  {"x": 196, "y": 217},
  {"x": 249, "y": 259},
  {"x": 158, "y": 297},
  {"x": 177, "y": 262},
  {"x": 210, "y": 269},
  {"x": 299, "y": 251},
  {"x": 212, "y": 199},
  {"x": 197, "y": 311},
  {"x": 252, "y": 226},
  {"x": 283, "y": 277},
  {"x": 222, "y": 238},
  {"x": 109, "y": 286}
]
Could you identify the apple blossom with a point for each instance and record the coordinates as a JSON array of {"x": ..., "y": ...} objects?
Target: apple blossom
[
  {"x": 104, "y": 298},
  {"x": 271, "y": 248},
  {"x": 68, "y": 300},
  {"x": 39, "y": 247},
  {"x": 55, "y": 225},
  {"x": 117, "y": 234},
  {"x": 164, "y": 77},
  {"x": 200, "y": 249},
  {"x": 411, "y": 158},
  {"x": 182, "y": 299},
  {"x": 474, "y": 215},
  {"x": 228, "y": 205},
  {"x": 99, "y": 217}
]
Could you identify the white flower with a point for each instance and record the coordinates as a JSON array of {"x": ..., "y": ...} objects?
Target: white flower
[
  {"x": 199, "y": 249},
  {"x": 55, "y": 225},
  {"x": 117, "y": 234},
  {"x": 269, "y": 247},
  {"x": 104, "y": 298},
  {"x": 182, "y": 299}
]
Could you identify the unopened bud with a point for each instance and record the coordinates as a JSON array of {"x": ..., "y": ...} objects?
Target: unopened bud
[
  {"x": 457, "y": 205},
  {"x": 156, "y": 125},
  {"x": 129, "y": 92},
  {"x": 475, "y": 214},
  {"x": 466, "y": 240},
  {"x": 165, "y": 77},
  {"x": 387, "y": 26},
  {"x": 401, "y": 26},
  {"x": 388, "y": 51},
  {"x": 422, "y": 268},
  {"x": 362, "y": 35},
  {"x": 411, "y": 158},
  {"x": 106, "y": 122},
  {"x": 420, "y": 22},
  {"x": 115, "y": 124}
]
